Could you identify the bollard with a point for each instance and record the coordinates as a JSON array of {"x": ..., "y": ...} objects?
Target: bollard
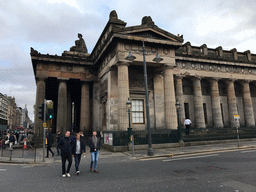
[
  {"x": 25, "y": 144},
  {"x": 132, "y": 145},
  {"x": 10, "y": 155},
  {"x": 22, "y": 154},
  {"x": 35, "y": 155},
  {"x": 2, "y": 154}
]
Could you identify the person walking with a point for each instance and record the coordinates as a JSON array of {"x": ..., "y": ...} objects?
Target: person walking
[
  {"x": 17, "y": 137},
  {"x": 65, "y": 144},
  {"x": 78, "y": 149},
  {"x": 94, "y": 144},
  {"x": 49, "y": 142},
  {"x": 11, "y": 141},
  {"x": 187, "y": 123},
  {"x": 58, "y": 137}
]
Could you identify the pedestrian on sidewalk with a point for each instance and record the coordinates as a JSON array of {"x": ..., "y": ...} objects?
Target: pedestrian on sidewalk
[
  {"x": 187, "y": 123},
  {"x": 11, "y": 141},
  {"x": 17, "y": 137},
  {"x": 94, "y": 144},
  {"x": 58, "y": 137},
  {"x": 65, "y": 144},
  {"x": 49, "y": 142},
  {"x": 78, "y": 149}
]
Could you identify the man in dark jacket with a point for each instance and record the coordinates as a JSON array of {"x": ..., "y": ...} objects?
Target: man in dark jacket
[
  {"x": 78, "y": 149},
  {"x": 65, "y": 144},
  {"x": 49, "y": 143},
  {"x": 94, "y": 144},
  {"x": 58, "y": 137}
]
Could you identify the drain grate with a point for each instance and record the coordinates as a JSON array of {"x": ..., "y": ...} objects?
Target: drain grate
[
  {"x": 211, "y": 168},
  {"x": 184, "y": 171}
]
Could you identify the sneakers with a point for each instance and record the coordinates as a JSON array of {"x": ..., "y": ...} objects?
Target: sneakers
[
  {"x": 95, "y": 171},
  {"x": 68, "y": 175},
  {"x": 64, "y": 175},
  {"x": 77, "y": 172}
]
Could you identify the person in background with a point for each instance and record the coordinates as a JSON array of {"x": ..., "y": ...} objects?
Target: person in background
[
  {"x": 58, "y": 137},
  {"x": 94, "y": 144},
  {"x": 49, "y": 142},
  {"x": 78, "y": 149},
  {"x": 187, "y": 123}
]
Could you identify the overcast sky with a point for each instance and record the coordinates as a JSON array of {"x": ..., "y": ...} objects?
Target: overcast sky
[{"x": 51, "y": 26}]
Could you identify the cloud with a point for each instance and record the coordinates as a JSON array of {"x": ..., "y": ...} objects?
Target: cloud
[{"x": 51, "y": 26}]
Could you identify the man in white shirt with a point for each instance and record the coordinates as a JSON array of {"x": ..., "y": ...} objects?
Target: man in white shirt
[
  {"x": 78, "y": 149},
  {"x": 187, "y": 123}
]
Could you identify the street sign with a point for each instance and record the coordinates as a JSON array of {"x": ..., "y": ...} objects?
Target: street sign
[
  {"x": 44, "y": 124},
  {"x": 236, "y": 117}
]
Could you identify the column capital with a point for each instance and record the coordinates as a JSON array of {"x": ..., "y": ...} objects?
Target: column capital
[
  {"x": 63, "y": 79},
  {"x": 196, "y": 78},
  {"x": 41, "y": 79},
  {"x": 214, "y": 79},
  {"x": 119, "y": 63},
  {"x": 245, "y": 81},
  {"x": 230, "y": 80},
  {"x": 179, "y": 76}
]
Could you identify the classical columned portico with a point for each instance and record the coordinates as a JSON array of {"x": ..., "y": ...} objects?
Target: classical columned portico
[
  {"x": 40, "y": 96},
  {"x": 123, "y": 94},
  {"x": 198, "y": 103},
  {"x": 85, "y": 108},
  {"x": 62, "y": 106},
  {"x": 179, "y": 96},
  {"x": 169, "y": 99},
  {"x": 216, "y": 110},
  {"x": 248, "y": 109},
  {"x": 232, "y": 105}
]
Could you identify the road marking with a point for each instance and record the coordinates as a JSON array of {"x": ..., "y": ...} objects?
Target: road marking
[
  {"x": 240, "y": 186},
  {"x": 250, "y": 151},
  {"x": 196, "y": 157},
  {"x": 2, "y": 169}
]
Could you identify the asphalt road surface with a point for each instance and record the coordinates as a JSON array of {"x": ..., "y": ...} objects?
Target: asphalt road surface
[{"x": 230, "y": 171}]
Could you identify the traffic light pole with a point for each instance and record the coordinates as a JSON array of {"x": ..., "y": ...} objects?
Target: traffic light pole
[{"x": 44, "y": 130}]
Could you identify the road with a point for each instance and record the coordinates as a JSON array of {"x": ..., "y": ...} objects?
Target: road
[{"x": 229, "y": 171}]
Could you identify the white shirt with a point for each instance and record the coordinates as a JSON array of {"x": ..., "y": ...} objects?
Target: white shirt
[
  {"x": 187, "y": 122},
  {"x": 78, "y": 147}
]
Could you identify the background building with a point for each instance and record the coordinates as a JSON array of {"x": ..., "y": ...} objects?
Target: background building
[{"x": 91, "y": 90}]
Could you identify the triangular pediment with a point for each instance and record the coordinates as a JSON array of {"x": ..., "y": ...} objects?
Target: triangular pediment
[{"x": 151, "y": 32}]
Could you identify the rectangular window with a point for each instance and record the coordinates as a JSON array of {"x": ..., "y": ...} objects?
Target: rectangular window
[
  {"x": 138, "y": 111},
  {"x": 186, "y": 110},
  {"x": 205, "y": 113}
]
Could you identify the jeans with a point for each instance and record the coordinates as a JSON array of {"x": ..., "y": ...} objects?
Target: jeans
[
  {"x": 65, "y": 157},
  {"x": 94, "y": 158},
  {"x": 77, "y": 161}
]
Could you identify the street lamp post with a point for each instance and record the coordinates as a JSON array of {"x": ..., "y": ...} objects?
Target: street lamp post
[
  {"x": 129, "y": 106},
  {"x": 157, "y": 59},
  {"x": 178, "y": 119}
]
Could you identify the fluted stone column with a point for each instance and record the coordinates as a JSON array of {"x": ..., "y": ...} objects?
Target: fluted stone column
[
  {"x": 69, "y": 109},
  {"x": 85, "y": 108},
  {"x": 159, "y": 101},
  {"x": 62, "y": 107},
  {"x": 40, "y": 96},
  {"x": 179, "y": 96},
  {"x": 123, "y": 94},
  {"x": 198, "y": 103},
  {"x": 169, "y": 100},
  {"x": 248, "y": 109},
  {"x": 232, "y": 105},
  {"x": 216, "y": 110}
]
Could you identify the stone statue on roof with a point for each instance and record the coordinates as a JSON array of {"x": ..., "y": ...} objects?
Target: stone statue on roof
[
  {"x": 147, "y": 20},
  {"x": 80, "y": 45}
]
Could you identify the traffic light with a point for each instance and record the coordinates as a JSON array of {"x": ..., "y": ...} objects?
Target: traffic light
[
  {"x": 41, "y": 112},
  {"x": 50, "y": 114}
]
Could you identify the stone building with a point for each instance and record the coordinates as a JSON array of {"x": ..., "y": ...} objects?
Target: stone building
[{"x": 91, "y": 90}]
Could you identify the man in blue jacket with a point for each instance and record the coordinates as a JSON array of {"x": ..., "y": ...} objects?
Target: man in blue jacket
[
  {"x": 78, "y": 149},
  {"x": 65, "y": 145}
]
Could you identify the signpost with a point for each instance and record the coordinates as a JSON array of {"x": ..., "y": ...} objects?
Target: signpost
[{"x": 236, "y": 118}]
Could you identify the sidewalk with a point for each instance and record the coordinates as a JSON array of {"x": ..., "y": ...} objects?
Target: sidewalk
[
  {"x": 140, "y": 154},
  {"x": 211, "y": 147}
]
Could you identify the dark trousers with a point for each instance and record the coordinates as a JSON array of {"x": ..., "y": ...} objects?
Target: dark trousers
[
  {"x": 77, "y": 161},
  {"x": 65, "y": 157},
  {"x": 58, "y": 150},
  {"x": 49, "y": 149},
  {"x": 187, "y": 129}
]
